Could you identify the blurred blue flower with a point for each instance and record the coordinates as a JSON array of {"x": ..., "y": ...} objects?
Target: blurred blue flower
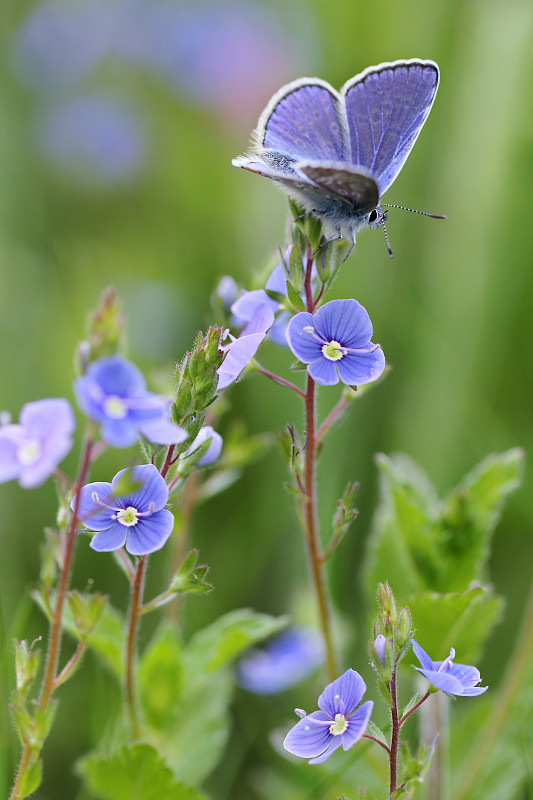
[
  {"x": 58, "y": 44},
  {"x": 240, "y": 351},
  {"x": 137, "y": 519},
  {"x": 98, "y": 138},
  {"x": 113, "y": 392},
  {"x": 339, "y": 721},
  {"x": 335, "y": 343},
  {"x": 453, "y": 679},
  {"x": 285, "y": 660},
  {"x": 31, "y": 450},
  {"x": 214, "y": 448},
  {"x": 222, "y": 55}
]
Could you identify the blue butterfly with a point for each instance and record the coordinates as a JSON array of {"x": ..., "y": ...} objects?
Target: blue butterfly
[{"x": 337, "y": 153}]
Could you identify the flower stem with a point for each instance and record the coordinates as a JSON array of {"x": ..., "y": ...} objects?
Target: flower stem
[
  {"x": 395, "y": 733},
  {"x": 278, "y": 379},
  {"x": 133, "y": 617},
  {"x": 408, "y": 713},
  {"x": 481, "y": 750},
  {"x": 54, "y": 642},
  {"x": 330, "y": 419}
]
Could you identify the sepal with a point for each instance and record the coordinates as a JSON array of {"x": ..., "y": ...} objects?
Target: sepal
[
  {"x": 86, "y": 611},
  {"x": 189, "y": 579},
  {"x": 26, "y": 666}
]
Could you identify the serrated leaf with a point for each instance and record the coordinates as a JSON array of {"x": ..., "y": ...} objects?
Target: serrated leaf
[
  {"x": 134, "y": 773},
  {"x": 226, "y": 638},
  {"x": 463, "y": 621},
  {"x": 160, "y": 676}
]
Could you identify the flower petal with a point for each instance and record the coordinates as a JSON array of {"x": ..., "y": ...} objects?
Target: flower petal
[
  {"x": 119, "y": 432},
  {"x": 422, "y": 656},
  {"x": 116, "y": 376},
  {"x": 442, "y": 680},
  {"x": 238, "y": 354},
  {"x": 214, "y": 448},
  {"x": 308, "y": 738},
  {"x": 323, "y": 372},
  {"x": 248, "y": 304},
  {"x": 150, "y": 533},
  {"x": 9, "y": 463},
  {"x": 153, "y": 491},
  {"x": 473, "y": 691},
  {"x": 357, "y": 724},
  {"x": 355, "y": 369},
  {"x": 466, "y": 674},
  {"x": 91, "y": 513},
  {"x": 334, "y": 745},
  {"x": 303, "y": 343},
  {"x": 345, "y": 321},
  {"x": 343, "y": 695},
  {"x": 112, "y": 539},
  {"x": 48, "y": 418},
  {"x": 161, "y": 430}
]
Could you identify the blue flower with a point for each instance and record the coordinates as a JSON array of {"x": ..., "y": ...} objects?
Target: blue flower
[
  {"x": 31, "y": 450},
  {"x": 335, "y": 344},
  {"x": 240, "y": 351},
  {"x": 339, "y": 721},
  {"x": 452, "y": 679},
  {"x": 137, "y": 519},
  {"x": 113, "y": 392},
  {"x": 285, "y": 660},
  {"x": 247, "y": 305},
  {"x": 213, "y": 450}
]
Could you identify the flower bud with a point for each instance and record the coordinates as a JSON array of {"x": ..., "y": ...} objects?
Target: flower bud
[{"x": 404, "y": 627}]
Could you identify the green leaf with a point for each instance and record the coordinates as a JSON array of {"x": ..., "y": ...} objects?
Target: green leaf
[
  {"x": 134, "y": 773},
  {"x": 432, "y": 545},
  {"x": 31, "y": 780},
  {"x": 294, "y": 297},
  {"x": 376, "y": 732},
  {"x": 463, "y": 621},
  {"x": 411, "y": 704},
  {"x": 226, "y": 638},
  {"x": 160, "y": 677}
]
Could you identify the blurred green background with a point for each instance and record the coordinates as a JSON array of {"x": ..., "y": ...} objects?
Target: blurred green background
[{"x": 118, "y": 124}]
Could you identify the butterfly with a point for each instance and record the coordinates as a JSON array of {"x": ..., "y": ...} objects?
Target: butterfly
[{"x": 337, "y": 153}]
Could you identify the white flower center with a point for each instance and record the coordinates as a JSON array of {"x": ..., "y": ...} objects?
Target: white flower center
[
  {"x": 339, "y": 726},
  {"x": 334, "y": 350},
  {"x": 128, "y": 516},
  {"x": 29, "y": 452},
  {"x": 115, "y": 407}
]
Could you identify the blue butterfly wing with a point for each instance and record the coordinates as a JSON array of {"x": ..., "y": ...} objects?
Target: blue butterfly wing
[
  {"x": 386, "y": 107},
  {"x": 305, "y": 120}
]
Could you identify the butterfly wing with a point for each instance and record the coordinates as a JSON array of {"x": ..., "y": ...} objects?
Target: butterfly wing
[
  {"x": 355, "y": 186},
  {"x": 305, "y": 120},
  {"x": 386, "y": 107}
]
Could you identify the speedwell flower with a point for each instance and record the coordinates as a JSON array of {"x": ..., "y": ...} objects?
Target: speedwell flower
[
  {"x": 335, "y": 344},
  {"x": 285, "y": 660},
  {"x": 31, "y": 450},
  {"x": 214, "y": 447},
  {"x": 452, "y": 679},
  {"x": 240, "y": 351},
  {"x": 113, "y": 392},
  {"x": 137, "y": 519},
  {"x": 339, "y": 721}
]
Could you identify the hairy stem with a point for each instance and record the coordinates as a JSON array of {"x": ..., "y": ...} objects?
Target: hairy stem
[
  {"x": 54, "y": 642},
  {"x": 279, "y": 380},
  {"x": 395, "y": 734},
  {"x": 133, "y": 617}
]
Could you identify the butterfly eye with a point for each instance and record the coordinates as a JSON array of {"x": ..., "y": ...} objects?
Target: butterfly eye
[{"x": 373, "y": 216}]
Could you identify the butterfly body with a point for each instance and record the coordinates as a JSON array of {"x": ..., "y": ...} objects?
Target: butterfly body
[{"x": 336, "y": 153}]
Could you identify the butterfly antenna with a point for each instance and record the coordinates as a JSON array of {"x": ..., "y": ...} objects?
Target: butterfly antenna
[
  {"x": 382, "y": 218},
  {"x": 414, "y": 211}
]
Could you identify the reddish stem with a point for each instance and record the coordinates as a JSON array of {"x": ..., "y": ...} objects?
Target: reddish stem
[
  {"x": 278, "y": 379},
  {"x": 408, "y": 714},
  {"x": 395, "y": 734},
  {"x": 134, "y": 611}
]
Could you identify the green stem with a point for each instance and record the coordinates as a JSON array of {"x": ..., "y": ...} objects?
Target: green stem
[
  {"x": 311, "y": 530},
  {"x": 54, "y": 642},
  {"x": 134, "y": 612},
  {"x": 481, "y": 750}
]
